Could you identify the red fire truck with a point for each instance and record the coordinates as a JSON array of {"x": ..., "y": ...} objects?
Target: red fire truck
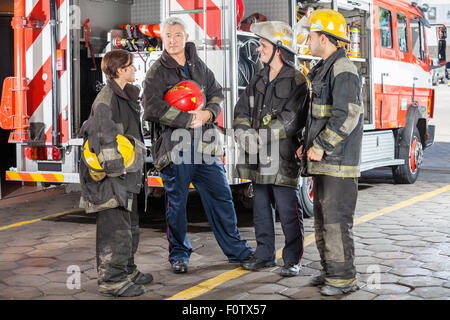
[{"x": 58, "y": 45}]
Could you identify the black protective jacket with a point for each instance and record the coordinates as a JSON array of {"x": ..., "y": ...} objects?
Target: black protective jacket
[
  {"x": 162, "y": 76},
  {"x": 335, "y": 121},
  {"x": 114, "y": 111},
  {"x": 285, "y": 101}
]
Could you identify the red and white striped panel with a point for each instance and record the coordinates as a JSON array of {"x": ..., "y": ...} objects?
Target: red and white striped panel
[
  {"x": 38, "y": 66},
  {"x": 195, "y": 24}
]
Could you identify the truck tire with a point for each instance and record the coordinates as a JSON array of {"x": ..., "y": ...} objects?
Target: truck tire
[
  {"x": 413, "y": 156},
  {"x": 306, "y": 196}
]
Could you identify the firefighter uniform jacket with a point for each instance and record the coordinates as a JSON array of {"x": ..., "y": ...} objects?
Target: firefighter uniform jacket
[
  {"x": 162, "y": 76},
  {"x": 114, "y": 111},
  {"x": 335, "y": 121},
  {"x": 285, "y": 102}
]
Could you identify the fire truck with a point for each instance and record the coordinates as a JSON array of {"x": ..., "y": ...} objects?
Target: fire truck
[{"x": 58, "y": 46}]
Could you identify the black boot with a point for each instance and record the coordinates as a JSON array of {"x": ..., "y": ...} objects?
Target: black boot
[
  {"x": 141, "y": 278},
  {"x": 255, "y": 264},
  {"x": 179, "y": 267}
]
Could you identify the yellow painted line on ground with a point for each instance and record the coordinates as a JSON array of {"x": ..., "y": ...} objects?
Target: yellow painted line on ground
[
  {"x": 210, "y": 284},
  {"x": 18, "y": 224}
]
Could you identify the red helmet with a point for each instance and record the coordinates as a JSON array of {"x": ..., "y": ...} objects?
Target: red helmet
[{"x": 185, "y": 96}]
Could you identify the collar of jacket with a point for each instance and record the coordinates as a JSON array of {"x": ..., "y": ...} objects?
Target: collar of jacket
[
  {"x": 129, "y": 92},
  {"x": 285, "y": 72},
  {"x": 169, "y": 62},
  {"x": 320, "y": 70}
]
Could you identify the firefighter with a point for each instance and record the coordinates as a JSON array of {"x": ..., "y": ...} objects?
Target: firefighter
[
  {"x": 111, "y": 176},
  {"x": 332, "y": 145},
  {"x": 198, "y": 161},
  {"x": 267, "y": 118}
]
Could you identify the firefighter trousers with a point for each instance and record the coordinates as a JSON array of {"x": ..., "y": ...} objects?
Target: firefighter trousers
[
  {"x": 334, "y": 209},
  {"x": 215, "y": 193},
  {"x": 286, "y": 201},
  {"x": 117, "y": 242}
]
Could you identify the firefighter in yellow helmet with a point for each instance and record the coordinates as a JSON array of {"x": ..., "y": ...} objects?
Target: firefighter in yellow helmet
[
  {"x": 112, "y": 175},
  {"x": 267, "y": 117},
  {"x": 331, "y": 150}
]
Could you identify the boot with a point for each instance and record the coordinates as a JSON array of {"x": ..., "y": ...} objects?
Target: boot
[
  {"x": 334, "y": 291},
  {"x": 290, "y": 269},
  {"x": 141, "y": 278},
  {"x": 130, "y": 289}
]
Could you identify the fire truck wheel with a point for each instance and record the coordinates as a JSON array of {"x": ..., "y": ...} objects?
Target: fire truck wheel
[
  {"x": 408, "y": 172},
  {"x": 306, "y": 196}
]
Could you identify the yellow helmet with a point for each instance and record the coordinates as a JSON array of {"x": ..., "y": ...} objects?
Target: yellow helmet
[
  {"x": 329, "y": 22},
  {"x": 277, "y": 32},
  {"x": 125, "y": 148}
]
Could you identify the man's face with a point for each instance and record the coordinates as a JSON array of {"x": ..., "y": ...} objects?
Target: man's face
[
  {"x": 265, "y": 50},
  {"x": 174, "y": 39},
  {"x": 128, "y": 72},
  {"x": 315, "y": 44}
]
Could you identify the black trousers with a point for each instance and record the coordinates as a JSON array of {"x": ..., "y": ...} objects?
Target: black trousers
[
  {"x": 286, "y": 201},
  {"x": 334, "y": 209},
  {"x": 117, "y": 242}
]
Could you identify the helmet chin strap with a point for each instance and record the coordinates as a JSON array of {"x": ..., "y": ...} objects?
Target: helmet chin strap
[{"x": 275, "y": 48}]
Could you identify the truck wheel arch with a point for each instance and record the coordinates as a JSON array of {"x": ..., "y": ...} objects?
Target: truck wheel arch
[{"x": 409, "y": 143}]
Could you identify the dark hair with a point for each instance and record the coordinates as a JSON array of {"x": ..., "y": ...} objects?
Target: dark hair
[
  {"x": 332, "y": 39},
  {"x": 114, "y": 60}
]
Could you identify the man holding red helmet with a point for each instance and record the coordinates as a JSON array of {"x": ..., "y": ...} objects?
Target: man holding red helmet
[{"x": 164, "y": 106}]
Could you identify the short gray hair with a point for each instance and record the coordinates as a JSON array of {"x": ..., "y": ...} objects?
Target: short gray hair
[{"x": 171, "y": 21}]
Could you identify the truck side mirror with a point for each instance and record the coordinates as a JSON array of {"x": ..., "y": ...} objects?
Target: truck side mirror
[{"x": 442, "y": 46}]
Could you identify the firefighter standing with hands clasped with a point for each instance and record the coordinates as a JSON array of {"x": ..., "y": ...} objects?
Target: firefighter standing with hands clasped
[
  {"x": 267, "y": 119},
  {"x": 111, "y": 176},
  {"x": 332, "y": 148},
  {"x": 198, "y": 162}
]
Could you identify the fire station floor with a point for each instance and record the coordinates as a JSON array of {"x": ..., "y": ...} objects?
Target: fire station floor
[{"x": 401, "y": 238}]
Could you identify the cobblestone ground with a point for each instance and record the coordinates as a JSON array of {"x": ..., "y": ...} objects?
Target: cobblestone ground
[{"x": 402, "y": 254}]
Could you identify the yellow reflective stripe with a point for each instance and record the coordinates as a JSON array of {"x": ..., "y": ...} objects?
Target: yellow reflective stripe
[
  {"x": 34, "y": 176},
  {"x": 217, "y": 100},
  {"x": 321, "y": 111},
  {"x": 331, "y": 137},
  {"x": 169, "y": 116},
  {"x": 278, "y": 129},
  {"x": 109, "y": 154},
  {"x": 333, "y": 170},
  {"x": 340, "y": 282},
  {"x": 242, "y": 121},
  {"x": 13, "y": 176}
]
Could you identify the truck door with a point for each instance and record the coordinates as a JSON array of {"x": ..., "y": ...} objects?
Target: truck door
[
  {"x": 385, "y": 69},
  {"x": 419, "y": 60},
  {"x": 402, "y": 46}
]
